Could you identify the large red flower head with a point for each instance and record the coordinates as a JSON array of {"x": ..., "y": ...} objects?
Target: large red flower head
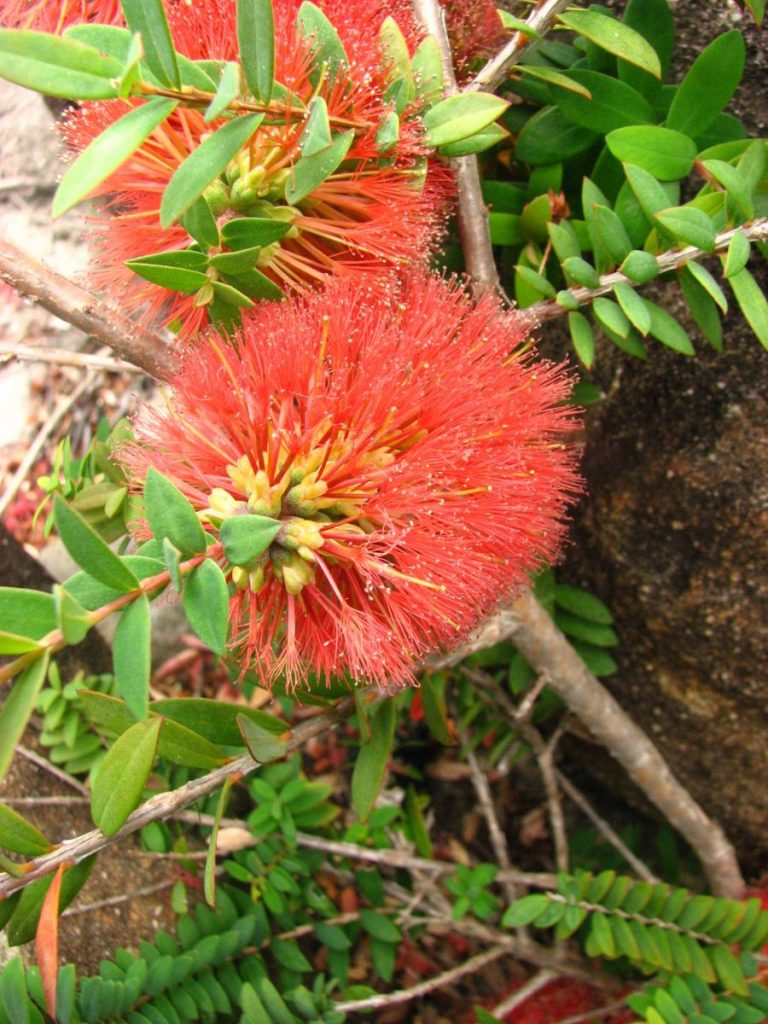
[
  {"x": 415, "y": 460},
  {"x": 374, "y": 209},
  {"x": 56, "y": 15}
]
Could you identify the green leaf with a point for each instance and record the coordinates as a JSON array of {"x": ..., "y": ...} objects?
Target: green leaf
[
  {"x": 171, "y": 515},
  {"x": 649, "y": 193},
  {"x": 122, "y": 775},
  {"x": 615, "y": 37},
  {"x": 168, "y": 270},
  {"x": 461, "y": 116},
  {"x": 316, "y": 134},
  {"x": 550, "y": 138},
  {"x": 209, "y": 873},
  {"x": 728, "y": 970},
  {"x": 505, "y": 229},
  {"x": 709, "y": 84},
  {"x": 214, "y": 719},
  {"x": 537, "y": 282},
  {"x": 610, "y": 315},
  {"x": 668, "y": 331},
  {"x": 74, "y": 621},
  {"x": 256, "y": 285},
  {"x": 246, "y": 537},
  {"x": 256, "y": 44},
  {"x": 608, "y": 104},
  {"x": 57, "y": 66},
  {"x": 247, "y": 232},
  {"x": 18, "y": 706},
  {"x": 19, "y": 836},
  {"x": 14, "y": 1001},
  {"x": 611, "y": 232},
  {"x": 564, "y": 240},
  {"x": 28, "y": 613},
  {"x": 227, "y": 91},
  {"x": 591, "y": 632},
  {"x": 132, "y": 656},
  {"x": 435, "y": 709},
  {"x": 379, "y": 926},
  {"x": 640, "y": 266},
  {"x": 666, "y": 154},
  {"x": 737, "y": 256},
  {"x": 545, "y": 73},
  {"x": 204, "y": 165},
  {"x": 427, "y": 68},
  {"x": 757, "y": 9},
  {"x": 12, "y": 643},
  {"x": 262, "y": 744},
  {"x": 311, "y": 171},
  {"x": 107, "y": 39},
  {"x": 89, "y": 551},
  {"x": 373, "y": 759},
  {"x": 477, "y": 143},
  {"x": 735, "y": 184},
  {"x": 689, "y": 225},
  {"x": 108, "y": 151},
  {"x": 708, "y": 283},
  {"x": 396, "y": 62},
  {"x": 206, "y": 605},
  {"x": 701, "y": 306},
  {"x": 582, "y": 337},
  {"x": 654, "y": 21},
  {"x": 200, "y": 223},
  {"x": 388, "y": 133},
  {"x": 525, "y": 910},
  {"x": 148, "y": 18},
  {"x": 753, "y": 303},
  {"x": 578, "y": 271},
  {"x": 328, "y": 50},
  {"x": 131, "y": 67},
  {"x": 633, "y": 307},
  {"x": 23, "y": 924}
]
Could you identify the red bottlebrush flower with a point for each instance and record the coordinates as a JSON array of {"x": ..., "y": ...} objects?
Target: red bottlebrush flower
[
  {"x": 417, "y": 461},
  {"x": 48, "y": 16},
  {"x": 475, "y": 30},
  {"x": 375, "y": 209}
]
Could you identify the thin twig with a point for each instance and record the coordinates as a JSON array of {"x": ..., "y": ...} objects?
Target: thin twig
[
  {"x": 591, "y": 1015},
  {"x": 495, "y": 71},
  {"x": 83, "y": 309},
  {"x": 531, "y": 987},
  {"x": 45, "y": 801},
  {"x": 64, "y": 357},
  {"x": 38, "y": 443},
  {"x": 52, "y": 769},
  {"x": 672, "y": 259},
  {"x": 406, "y": 995},
  {"x": 115, "y": 901},
  {"x": 639, "y": 868}
]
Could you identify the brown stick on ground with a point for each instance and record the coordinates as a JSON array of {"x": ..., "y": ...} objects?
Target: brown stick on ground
[{"x": 81, "y": 308}]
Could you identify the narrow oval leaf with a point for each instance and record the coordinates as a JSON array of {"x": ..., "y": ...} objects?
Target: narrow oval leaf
[
  {"x": 47, "y": 941},
  {"x": 206, "y": 605},
  {"x": 328, "y": 50},
  {"x": 525, "y": 911},
  {"x": 19, "y": 836},
  {"x": 709, "y": 84},
  {"x": 668, "y": 331},
  {"x": 604, "y": 104},
  {"x": 752, "y": 302},
  {"x": 209, "y": 874},
  {"x": 168, "y": 275},
  {"x": 108, "y": 151},
  {"x": 373, "y": 759},
  {"x": 703, "y": 310},
  {"x": 640, "y": 266},
  {"x": 12, "y": 643},
  {"x": 27, "y": 612},
  {"x": 615, "y": 37},
  {"x": 132, "y": 656},
  {"x": 311, "y": 171},
  {"x": 247, "y": 232},
  {"x": 708, "y": 283},
  {"x": 89, "y": 551},
  {"x": 246, "y": 537},
  {"x": 200, "y": 223},
  {"x": 18, "y": 706},
  {"x": 633, "y": 307},
  {"x": 550, "y": 138},
  {"x": 204, "y": 164},
  {"x": 147, "y": 17},
  {"x": 735, "y": 184},
  {"x": 23, "y": 924},
  {"x": 256, "y": 42},
  {"x": 610, "y": 315},
  {"x": 666, "y": 154},
  {"x": 227, "y": 91},
  {"x": 689, "y": 225},
  {"x": 737, "y": 256},
  {"x": 458, "y": 117},
  {"x": 171, "y": 515},
  {"x": 215, "y": 719},
  {"x": 73, "y": 620},
  {"x": 436, "y": 710},
  {"x": 263, "y": 745},
  {"x": 56, "y": 66},
  {"x": 122, "y": 775},
  {"x": 583, "y": 338}
]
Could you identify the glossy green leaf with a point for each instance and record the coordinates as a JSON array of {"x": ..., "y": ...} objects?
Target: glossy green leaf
[
  {"x": 121, "y": 777},
  {"x": 227, "y": 91},
  {"x": 108, "y": 151},
  {"x": 550, "y": 138},
  {"x": 564, "y": 240},
  {"x": 256, "y": 44},
  {"x": 206, "y": 605},
  {"x": 701, "y": 307},
  {"x": 477, "y": 143},
  {"x": 246, "y": 537},
  {"x": 107, "y": 39},
  {"x": 89, "y": 551},
  {"x": 582, "y": 337},
  {"x": 668, "y": 331},
  {"x": 654, "y": 21},
  {"x": 132, "y": 656},
  {"x": 607, "y": 226},
  {"x": 247, "y": 232},
  {"x": 708, "y": 283},
  {"x": 17, "y": 708},
  {"x": 666, "y": 154},
  {"x": 23, "y": 924},
  {"x": 735, "y": 184},
  {"x": 262, "y": 744},
  {"x": 566, "y": 82},
  {"x": 73, "y": 620},
  {"x": 373, "y": 758},
  {"x": 204, "y": 165},
  {"x": 20, "y": 836},
  {"x": 256, "y": 285},
  {"x": 640, "y": 266},
  {"x": 92, "y": 594},
  {"x": 200, "y": 224},
  {"x": 633, "y": 307},
  {"x": 396, "y": 62},
  {"x": 311, "y": 171},
  {"x": 427, "y": 68},
  {"x": 737, "y": 255},
  {"x": 330, "y": 57},
  {"x": 460, "y": 116},
  {"x": 728, "y": 970},
  {"x": 579, "y": 271},
  {"x": 610, "y": 315},
  {"x": 752, "y": 303},
  {"x": 29, "y": 613},
  {"x": 148, "y": 18},
  {"x": 505, "y": 229},
  {"x": 607, "y": 105},
  {"x": 590, "y": 632},
  {"x": 131, "y": 67},
  {"x": 615, "y": 37},
  {"x": 708, "y": 85},
  {"x": 316, "y": 134},
  {"x": 232, "y": 296},
  {"x": 57, "y": 66},
  {"x": 649, "y": 192},
  {"x": 164, "y": 269},
  {"x": 171, "y": 515},
  {"x": 689, "y": 225},
  {"x": 238, "y": 262}
]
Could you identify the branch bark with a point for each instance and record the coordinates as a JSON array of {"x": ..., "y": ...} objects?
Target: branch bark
[{"x": 81, "y": 308}]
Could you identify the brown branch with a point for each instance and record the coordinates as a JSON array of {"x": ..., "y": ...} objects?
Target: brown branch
[
  {"x": 530, "y": 988},
  {"x": 65, "y": 357},
  {"x": 495, "y": 71},
  {"x": 84, "y": 310},
  {"x": 672, "y": 259}
]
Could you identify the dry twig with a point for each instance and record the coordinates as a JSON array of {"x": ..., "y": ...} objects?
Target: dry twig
[{"x": 65, "y": 357}]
